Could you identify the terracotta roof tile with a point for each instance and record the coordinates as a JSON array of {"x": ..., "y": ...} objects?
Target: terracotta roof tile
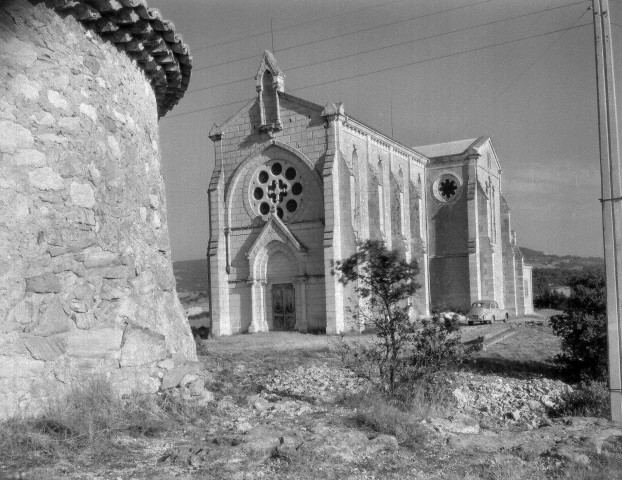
[{"x": 143, "y": 34}]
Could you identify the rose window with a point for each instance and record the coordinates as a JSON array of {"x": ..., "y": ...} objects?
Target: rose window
[
  {"x": 446, "y": 187},
  {"x": 276, "y": 185}
]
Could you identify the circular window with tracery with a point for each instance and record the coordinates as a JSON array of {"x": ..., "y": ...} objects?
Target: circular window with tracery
[
  {"x": 446, "y": 187},
  {"x": 276, "y": 184}
]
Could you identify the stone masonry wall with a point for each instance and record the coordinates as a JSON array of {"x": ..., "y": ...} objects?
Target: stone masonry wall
[{"x": 86, "y": 282}]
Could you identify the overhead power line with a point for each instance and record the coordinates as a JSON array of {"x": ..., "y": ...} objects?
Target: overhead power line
[
  {"x": 507, "y": 42},
  {"x": 494, "y": 68},
  {"x": 211, "y": 107},
  {"x": 373, "y": 50},
  {"x": 289, "y": 27},
  {"x": 528, "y": 67},
  {"x": 344, "y": 35},
  {"x": 432, "y": 59}
]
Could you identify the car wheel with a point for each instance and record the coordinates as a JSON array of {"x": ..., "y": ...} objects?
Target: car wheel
[
  {"x": 493, "y": 320},
  {"x": 506, "y": 318},
  {"x": 470, "y": 322}
]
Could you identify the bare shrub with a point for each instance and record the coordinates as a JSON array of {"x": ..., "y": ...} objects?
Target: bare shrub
[
  {"x": 589, "y": 399},
  {"x": 404, "y": 349},
  {"x": 388, "y": 415}
]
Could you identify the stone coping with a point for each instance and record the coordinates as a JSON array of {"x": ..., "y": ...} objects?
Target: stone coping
[{"x": 143, "y": 34}]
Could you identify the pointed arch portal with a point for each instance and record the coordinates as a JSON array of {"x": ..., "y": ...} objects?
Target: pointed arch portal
[{"x": 278, "y": 279}]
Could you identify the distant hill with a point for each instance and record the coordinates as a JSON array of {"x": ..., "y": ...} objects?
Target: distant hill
[
  {"x": 193, "y": 285},
  {"x": 552, "y": 275},
  {"x": 566, "y": 262},
  {"x": 191, "y": 275}
]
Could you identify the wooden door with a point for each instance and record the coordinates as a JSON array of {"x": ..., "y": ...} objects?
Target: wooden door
[{"x": 283, "y": 306}]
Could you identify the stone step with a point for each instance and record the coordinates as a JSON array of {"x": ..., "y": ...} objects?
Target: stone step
[{"x": 496, "y": 337}]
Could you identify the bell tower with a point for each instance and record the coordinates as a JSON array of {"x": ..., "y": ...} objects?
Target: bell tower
[{"x": 269, "y": 82}]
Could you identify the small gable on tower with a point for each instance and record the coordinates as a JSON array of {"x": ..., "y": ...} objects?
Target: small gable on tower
[{"x": 269, "y": 82}]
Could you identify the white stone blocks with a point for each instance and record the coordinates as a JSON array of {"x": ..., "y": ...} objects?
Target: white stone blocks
[
  {"x": 29, "y": 157},
  {"x": 46, "y": 179},
  {"x": 46, "y": 283},
  {"x": 82, "y": 194},
  {"x": 14, "y": 137},
  {"x": 142, "y": 346},
  {"x": 53, "y": 320},
  {"x": 95, "y": 343}
]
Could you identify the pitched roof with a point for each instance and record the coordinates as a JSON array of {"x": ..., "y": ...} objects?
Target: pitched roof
[{"x": 446, "y": 149}]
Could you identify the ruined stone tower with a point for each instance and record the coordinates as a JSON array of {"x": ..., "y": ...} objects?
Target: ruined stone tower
[{"x": 86, "y": 283}]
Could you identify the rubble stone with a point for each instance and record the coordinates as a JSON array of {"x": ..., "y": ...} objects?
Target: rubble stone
[
  {"x": 73, "y": 182},
  {"x": 142, "y": 346},
  {"x": 94, "y": 343}
]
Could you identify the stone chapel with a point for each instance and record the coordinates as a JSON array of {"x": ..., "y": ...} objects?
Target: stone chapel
[{"x": 296, "y": 185}]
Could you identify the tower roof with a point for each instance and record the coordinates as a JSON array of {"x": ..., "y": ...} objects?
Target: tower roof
[{"x": 144, "y": 36}]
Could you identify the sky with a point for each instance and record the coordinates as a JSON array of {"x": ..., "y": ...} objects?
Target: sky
[{"x": 421, "y": 71}]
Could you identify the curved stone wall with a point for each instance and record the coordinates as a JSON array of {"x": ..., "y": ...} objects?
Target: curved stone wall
[{"x": 86, "y": 283}]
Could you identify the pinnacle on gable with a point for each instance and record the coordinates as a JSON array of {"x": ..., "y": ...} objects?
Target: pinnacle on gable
[
  {"x": 333, "y": 109},
  {"x": 268, "y": 62},
  {"x": 215, "y": 133}
]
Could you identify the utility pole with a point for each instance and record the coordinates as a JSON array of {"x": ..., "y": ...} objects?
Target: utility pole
[{"x": 611, "y": 193}]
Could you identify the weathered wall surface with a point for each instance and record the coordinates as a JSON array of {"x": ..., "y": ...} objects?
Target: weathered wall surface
[
  {"x": 86, "y": 283},
  {"x": 373, "y": 162},
  {"x": 509, "y": 262},
  {"x": 448, "y": 232},
  {"x": 244, "y": 151}
]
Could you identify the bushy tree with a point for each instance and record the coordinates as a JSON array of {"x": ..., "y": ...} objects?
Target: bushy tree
[
  {"x": 385, "y": 281},
  {"x": 404, "y": 349},
  {"x": 550, "y": 298},
  {"x": 583, "y": 327}
]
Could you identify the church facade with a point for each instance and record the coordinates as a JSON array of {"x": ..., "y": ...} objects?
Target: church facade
[{"x": 297, "y": 185}]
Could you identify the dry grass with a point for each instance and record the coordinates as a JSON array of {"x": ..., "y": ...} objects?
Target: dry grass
[
  {"x": 83, "y": 425},
  {"x": 589, "y": 399},
  {"x": 82, "y": 429},
  {"x": 384, "y": 415},
  {"x": 402, "y": 415}
]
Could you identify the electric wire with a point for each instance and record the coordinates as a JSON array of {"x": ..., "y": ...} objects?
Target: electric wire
[
  {"x": 507, "y": 42},
  {"x": 432, "y": 59},
  {"x": 494, "y": 68},
  {"x": 289, "y": 27},
  {"x": 198, "y": 69},
  {"x": 428, "y": 37},
  {"x": 528, "y": 67}
]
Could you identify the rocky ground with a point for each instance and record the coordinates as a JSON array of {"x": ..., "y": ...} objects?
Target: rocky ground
[
  {"x": 275, "y": 406},
  {"x": 297, "y": 416}
]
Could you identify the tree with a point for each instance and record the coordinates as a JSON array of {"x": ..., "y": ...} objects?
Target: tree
[
  {"x": 550, "y": 298},
  {"x": 583, "y": 327},
  {"x": 385, "y": 281}
]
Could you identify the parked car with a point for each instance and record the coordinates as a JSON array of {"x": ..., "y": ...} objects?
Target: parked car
[{"x": 486, "y": 311}]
